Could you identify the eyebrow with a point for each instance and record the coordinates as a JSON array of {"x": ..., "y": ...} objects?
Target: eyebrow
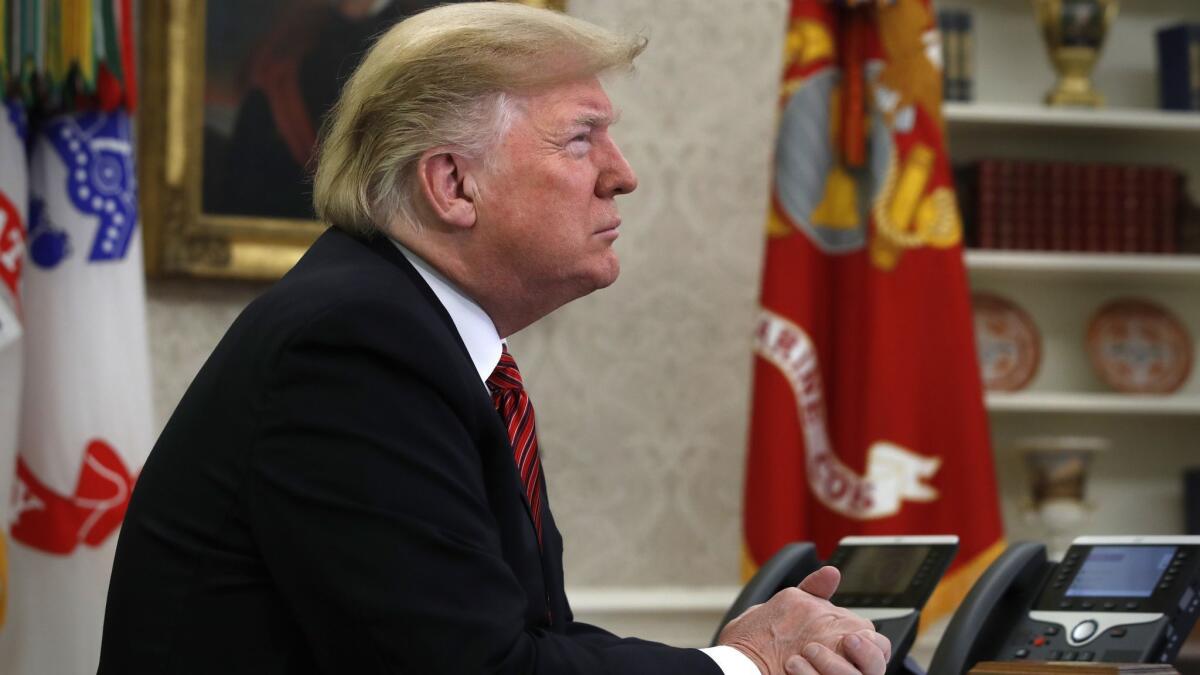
[{"x": 597, "y": 118}]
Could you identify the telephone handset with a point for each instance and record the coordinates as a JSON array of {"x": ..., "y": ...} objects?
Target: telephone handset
[
  {"x": 1115, "y": 599},
  {"x": 995, "y": 603},
  {"x": 886, "y": 580}
]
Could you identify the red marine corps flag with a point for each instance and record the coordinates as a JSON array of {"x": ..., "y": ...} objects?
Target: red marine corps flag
[{"x": 868, "y": 413}]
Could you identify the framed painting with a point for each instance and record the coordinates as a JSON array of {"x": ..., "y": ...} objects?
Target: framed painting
[{"x": 233, "y": 93}]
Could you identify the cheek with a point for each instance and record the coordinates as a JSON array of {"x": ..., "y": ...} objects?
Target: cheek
[{"x": 563, "y": 215}]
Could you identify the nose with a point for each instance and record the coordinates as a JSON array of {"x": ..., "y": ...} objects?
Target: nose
[{"x": 617, "y": 177}]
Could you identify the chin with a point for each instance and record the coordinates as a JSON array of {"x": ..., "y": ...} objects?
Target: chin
[
  {"x": 599, "y": 274},
  {"x": 608, "y": 273}
]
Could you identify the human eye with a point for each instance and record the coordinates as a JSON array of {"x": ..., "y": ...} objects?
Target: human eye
[{"x": 580, "y": 143}]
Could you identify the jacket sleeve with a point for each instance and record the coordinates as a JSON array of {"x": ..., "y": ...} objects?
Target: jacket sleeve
[{"x": 366, "y": 496}]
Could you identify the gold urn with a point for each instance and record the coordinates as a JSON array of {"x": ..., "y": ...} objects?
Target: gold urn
[{"x": 1074, "y": 31}]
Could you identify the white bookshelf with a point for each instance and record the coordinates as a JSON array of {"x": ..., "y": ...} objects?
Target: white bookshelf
[
  {"x": 999, "y": 116},
  {"x": 1174, "y": 269},
  {"x": 1092, "y": 403},
  {"x": 1136, "y": 486}
]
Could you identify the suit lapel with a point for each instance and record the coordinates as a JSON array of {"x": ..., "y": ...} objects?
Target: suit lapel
[{"x": 384, "y": 247}]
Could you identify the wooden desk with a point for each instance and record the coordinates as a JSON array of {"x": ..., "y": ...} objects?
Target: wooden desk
[{"x": 1070, "y": 668}]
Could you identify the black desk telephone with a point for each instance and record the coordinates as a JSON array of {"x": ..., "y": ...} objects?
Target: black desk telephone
[
  {"x": 886, "y": 580},
  {"x": 1116, "y": 599}
]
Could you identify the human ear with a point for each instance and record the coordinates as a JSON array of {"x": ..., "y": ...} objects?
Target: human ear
[{"x": 447, "y": 187}]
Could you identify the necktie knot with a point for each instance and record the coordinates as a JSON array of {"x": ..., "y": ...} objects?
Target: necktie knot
[{"x": 505, "y": 376}]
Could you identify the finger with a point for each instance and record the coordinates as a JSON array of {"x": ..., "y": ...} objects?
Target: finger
[
  {"x": 864, "y": 654},
  {"x": 880, "y": 640},
  {"x": 798, "y": 665},
  {"x": 828, "y": 662},
  {"x": 822, "y": 583}
]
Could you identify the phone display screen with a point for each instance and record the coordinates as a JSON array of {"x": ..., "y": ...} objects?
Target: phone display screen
[
  {"x": 881, "y": 570},
  {"x": 1120, "y": 572}
]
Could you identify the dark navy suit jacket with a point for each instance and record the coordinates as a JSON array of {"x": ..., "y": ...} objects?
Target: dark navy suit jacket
[{"x": 336, "y": 494}]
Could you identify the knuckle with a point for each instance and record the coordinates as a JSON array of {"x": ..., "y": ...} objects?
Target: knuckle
[
  {"x": 789, "y": 597},
  {"x": 819, "y": 655}
]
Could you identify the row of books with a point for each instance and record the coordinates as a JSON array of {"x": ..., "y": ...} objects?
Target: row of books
[
  {"x": 1064, "y": 206},
  {"x": 958, "y": 73}
]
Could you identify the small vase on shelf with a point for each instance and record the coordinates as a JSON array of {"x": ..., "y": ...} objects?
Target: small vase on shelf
[
  {"x": 1074, "y": 31},
  {"x": 1058, "y": 472}
]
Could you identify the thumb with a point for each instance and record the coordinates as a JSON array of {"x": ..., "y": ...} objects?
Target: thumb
[{"x": 822, "y": 583}]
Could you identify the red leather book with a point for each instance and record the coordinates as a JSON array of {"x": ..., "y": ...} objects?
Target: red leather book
[
  {"x": 1004, "y": 204},
  {"x": 1090, "y": 208},
  {"x": 985, "y": 203},
  {"x": 1056, "y": 184},
  {"x": 1110, "y": 208},
  {"x": 1148, "y": 210},
  {"x": 1020, "y": 214},
  {"x": 1074, "y": 216},
  {"x": 1169, "y": 192},
  {"x": 1040, "y": 203},
  {"x": 1130, "y": 196}
]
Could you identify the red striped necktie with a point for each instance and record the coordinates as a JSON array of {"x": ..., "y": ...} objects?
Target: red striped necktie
[{"x": 508, "y": 394}]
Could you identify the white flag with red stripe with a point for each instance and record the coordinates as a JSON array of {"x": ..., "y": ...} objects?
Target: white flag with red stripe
[{"x": 85, "y": 425}]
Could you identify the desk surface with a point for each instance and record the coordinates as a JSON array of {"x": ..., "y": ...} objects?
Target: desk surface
[{"x": 1070, "y": 668}]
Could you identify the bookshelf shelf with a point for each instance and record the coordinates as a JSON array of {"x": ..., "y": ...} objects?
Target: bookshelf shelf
[
  {"x": 1103, "y": 266},
  {"x": 963, "y": 115},
  {"x": 1092, "y": 403}
]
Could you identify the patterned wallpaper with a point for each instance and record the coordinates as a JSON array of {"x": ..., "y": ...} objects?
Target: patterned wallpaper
[{"x": 641, "y": 389}]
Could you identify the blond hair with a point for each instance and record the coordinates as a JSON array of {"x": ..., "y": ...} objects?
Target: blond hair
[{"x": 444, "y": 77}]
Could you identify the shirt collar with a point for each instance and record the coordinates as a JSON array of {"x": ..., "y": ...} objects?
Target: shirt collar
[{"x": 474, "y": 326}]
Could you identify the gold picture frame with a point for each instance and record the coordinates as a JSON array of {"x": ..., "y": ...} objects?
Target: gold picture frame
[{"x": 181, "y": 237}]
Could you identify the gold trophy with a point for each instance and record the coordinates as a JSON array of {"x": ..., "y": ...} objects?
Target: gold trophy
[{"x": 1074, "y": 31}]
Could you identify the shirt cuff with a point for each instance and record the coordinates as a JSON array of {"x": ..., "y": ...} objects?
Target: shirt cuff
[{"x": 731, "y": 661}]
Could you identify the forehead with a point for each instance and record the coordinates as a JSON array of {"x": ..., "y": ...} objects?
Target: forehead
[{"x": 581, "y": 101}]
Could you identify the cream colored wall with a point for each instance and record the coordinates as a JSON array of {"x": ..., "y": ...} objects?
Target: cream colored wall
[{"x": 641, "y": 389}]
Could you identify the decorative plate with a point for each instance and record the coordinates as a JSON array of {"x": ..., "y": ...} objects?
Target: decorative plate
[
  {"x": 1138, "y": 347},
  {"x": 1007, "y": 341}
]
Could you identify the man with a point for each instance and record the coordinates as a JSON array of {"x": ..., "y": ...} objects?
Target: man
[{"x": 351, "y": 484}]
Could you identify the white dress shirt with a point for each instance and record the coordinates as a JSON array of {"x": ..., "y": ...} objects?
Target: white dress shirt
[{"x": 484, "y": 345}]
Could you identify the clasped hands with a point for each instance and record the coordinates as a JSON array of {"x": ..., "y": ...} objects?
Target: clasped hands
[{"x": 799, "y": 632}]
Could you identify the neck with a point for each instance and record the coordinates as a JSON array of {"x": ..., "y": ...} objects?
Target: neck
[{"x": 509, "y": 302}]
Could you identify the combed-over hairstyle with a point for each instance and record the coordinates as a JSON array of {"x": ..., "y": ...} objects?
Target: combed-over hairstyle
[{"x": 444, "y": 77}]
